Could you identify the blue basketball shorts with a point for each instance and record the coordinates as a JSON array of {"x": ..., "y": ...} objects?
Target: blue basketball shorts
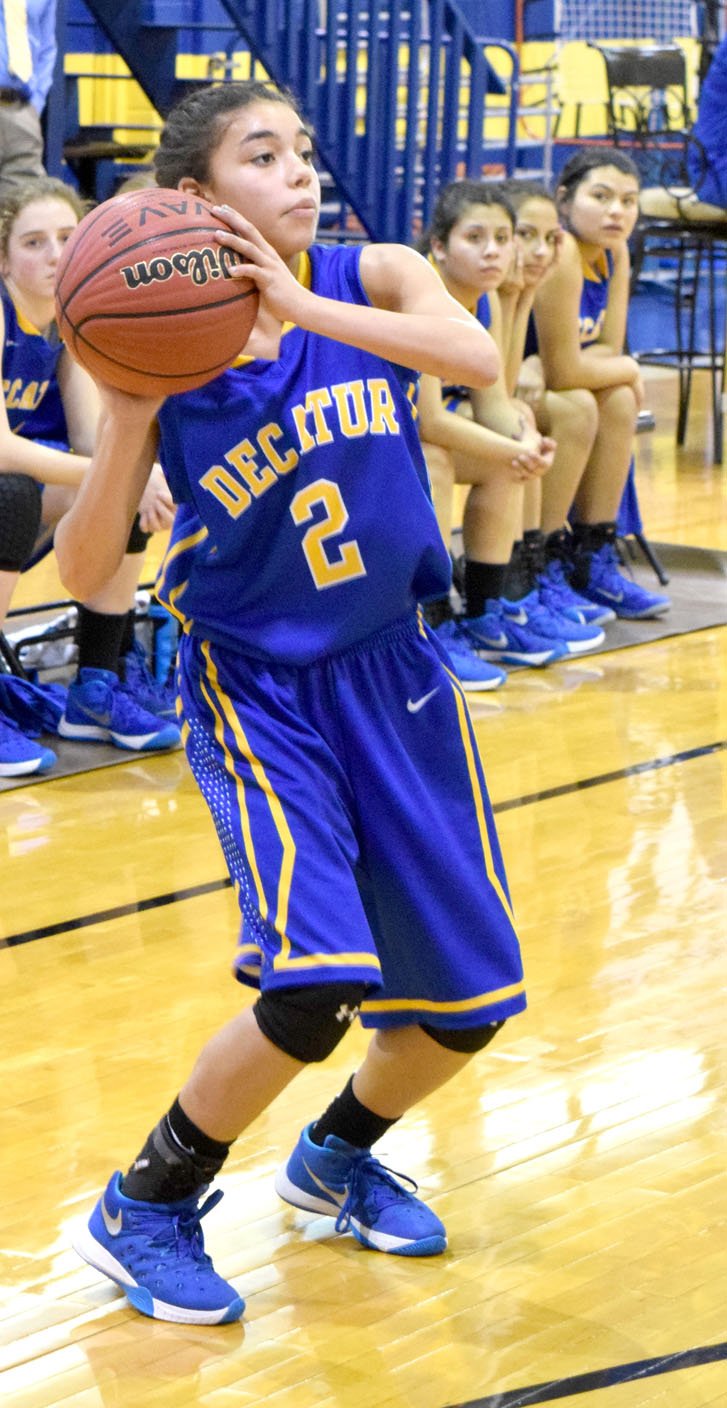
[{"x": 350, "y": 803}]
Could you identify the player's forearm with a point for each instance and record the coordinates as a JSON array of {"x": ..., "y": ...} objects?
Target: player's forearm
[
  {"x": 453, "y": 349},
  {"x": 91, "y": 538},
  {"x": 592, "y": 373},
  {"x": 40, "y": 462}
]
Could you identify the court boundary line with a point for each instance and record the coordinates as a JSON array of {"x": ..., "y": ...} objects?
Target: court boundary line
[
  {"x": 122, "y": 911},
  {"x": 599, "y": 1378}
]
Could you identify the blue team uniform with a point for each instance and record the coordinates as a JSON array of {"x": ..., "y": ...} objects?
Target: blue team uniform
[
  {"x": 594, "y": 298},
  {"x": 322, "y": 722},
  {"x": 30, "y": 381}
]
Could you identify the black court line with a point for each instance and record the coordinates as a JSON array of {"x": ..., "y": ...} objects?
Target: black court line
[
  {"x": 600, "y": 1378},
  {"x": 600, "y": 779},
  {"x": 66, "y": 926},
  {"x": 120, "y": 911}
]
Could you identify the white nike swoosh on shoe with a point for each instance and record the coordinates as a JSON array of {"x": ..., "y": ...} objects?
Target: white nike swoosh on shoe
[
  {"x": 520, "y": 617},
  {"x": 492, "y": 642},
  {"x": 113, "y": 1225},
  {"x": 612, "y": 596},
  {"x": 337, "y": 1198},
  {"x": 414, "y": 705}
]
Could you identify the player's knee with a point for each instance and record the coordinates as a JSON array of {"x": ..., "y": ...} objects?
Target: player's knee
[
  {"x": 20, "y": 507},
  {"x": 466, "y": 1040},
  {"x": 138, "y": 539},
  {"x": 307, "y": 1023}
]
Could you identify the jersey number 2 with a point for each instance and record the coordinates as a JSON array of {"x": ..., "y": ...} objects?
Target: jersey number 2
[{"x": 342, "y": 561}]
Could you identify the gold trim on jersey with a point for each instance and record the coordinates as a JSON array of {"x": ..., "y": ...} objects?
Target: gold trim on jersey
[
  {"x": 171, "y": 598},
  {"x": 597, "y": 272},
  {"x": 464, "y": 1004},
  {"x": 223, "y": 710},
  {"x": 222, "y": 704}
]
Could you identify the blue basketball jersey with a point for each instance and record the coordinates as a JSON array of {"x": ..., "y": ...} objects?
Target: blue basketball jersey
[
  {"x": 305, "y": 522},
  {"x": 594, "y": 298},
  {"x": 30, "y": 382}
]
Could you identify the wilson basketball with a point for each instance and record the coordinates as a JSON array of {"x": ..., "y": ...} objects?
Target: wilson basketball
[{"x": 145, "y": 299}]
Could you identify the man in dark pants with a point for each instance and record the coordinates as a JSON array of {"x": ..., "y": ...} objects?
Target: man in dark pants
[{"x": 27, "y": 61}]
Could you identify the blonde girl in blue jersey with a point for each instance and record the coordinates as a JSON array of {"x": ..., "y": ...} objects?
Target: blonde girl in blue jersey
[
  {"x": 580, "y": 317},
  {"x": 47, "y": 422},
  {"x": 324, "y": 724}
]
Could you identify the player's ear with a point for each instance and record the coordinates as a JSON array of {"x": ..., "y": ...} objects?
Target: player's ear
[{"x": 191, "y": 187}]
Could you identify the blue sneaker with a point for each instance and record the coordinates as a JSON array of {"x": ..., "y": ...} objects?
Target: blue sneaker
[
  {"x": 475, "y": 675},
  {"x": 155, "y": 1252},
  {"x": 19, "y": 755},
  {"x": 99, "y": 709},
  {"x": 607, "y": 586},
  {"x": 557, "y": 594},
  {"x": 363, "y": 1196},
  {"x": 138, "y": 680},
  {"x": 574, "y": 636},
  {"x": 496, "y": 636}
]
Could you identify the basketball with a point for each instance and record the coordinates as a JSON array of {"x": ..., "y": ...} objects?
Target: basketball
[{"x": 145, "y": 299}]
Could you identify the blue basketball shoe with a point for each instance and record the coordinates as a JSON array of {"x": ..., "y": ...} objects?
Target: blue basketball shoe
[
  {"x": 99, "y": 709},
  {"x": 475, "y": 675},
  {"x": 364, "y": 1197},
  {"x": 574, "y": 636},
  {"x": 497, "y": 636},
  {"x": 155, "y": 1252},
  {"x": 20, "y": 756},
  {"x": 557, "y": 594},
  {"x": 139, "y": 682},
  {"x": 607, "y": 586}
]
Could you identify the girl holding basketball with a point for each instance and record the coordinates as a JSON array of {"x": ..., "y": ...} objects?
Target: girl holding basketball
[
  {"x": 323, "y": 722},
  {"x": 47, "y": 423}
]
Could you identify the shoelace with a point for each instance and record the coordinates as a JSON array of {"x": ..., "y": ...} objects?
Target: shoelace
[
  {"x": 388, "y": 1180},
  {"x": 183, "y": 1234}
]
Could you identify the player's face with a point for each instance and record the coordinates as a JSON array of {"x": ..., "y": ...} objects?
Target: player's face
[
  {"x": 537, "y": 233},
  {"x": 263, "y": 167},
  {"x": 478, "y": 251},
  {"x": 36, "y": 241},
  {"x": 604, "y": 208}
]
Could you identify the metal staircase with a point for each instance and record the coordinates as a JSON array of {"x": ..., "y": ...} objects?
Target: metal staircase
[{"x": 403, "y": 96}]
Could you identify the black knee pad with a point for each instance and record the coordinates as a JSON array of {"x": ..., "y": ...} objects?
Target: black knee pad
[
  {"x": 307, "y": 1023},
  {"x": 20, "y": 501},
  {"x": 466, "y": 1040},
  {"x": 138, "y": 539}
]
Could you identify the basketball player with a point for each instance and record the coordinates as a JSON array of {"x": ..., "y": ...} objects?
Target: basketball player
[
  {"x": 492, "y": 443},
  {"x": 580, "y": 317},
  {"x": 47, "y": 422},
  {"x": 322, "y": 720}
]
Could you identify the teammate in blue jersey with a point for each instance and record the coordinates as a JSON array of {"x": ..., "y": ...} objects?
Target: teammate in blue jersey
[
  {"x": 492, "y": 443},
  {"x": 580, "y": 316},
  {"x": 323, "y": 722},
  {"x": 48, "y": 416}
]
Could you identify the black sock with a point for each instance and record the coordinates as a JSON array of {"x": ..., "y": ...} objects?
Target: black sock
[
  {"x": 127, "y": 635},
  {"x": 348, "y": 1119},
  {"x": 99, "y": 637},
  {"x": 178, "y": 1159},
  {"x": 559, "y": 545},
  {"x": 589, "y": 538},
  {"x": 483, "y": 581},
  {"x": 437, "y": 611}
]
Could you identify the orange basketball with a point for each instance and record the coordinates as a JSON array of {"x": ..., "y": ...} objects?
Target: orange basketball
[{"x": 144, "y": 295}]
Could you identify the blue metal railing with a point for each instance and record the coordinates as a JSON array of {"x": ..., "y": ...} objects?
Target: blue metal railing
[{"x": 400, "y": 91}]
